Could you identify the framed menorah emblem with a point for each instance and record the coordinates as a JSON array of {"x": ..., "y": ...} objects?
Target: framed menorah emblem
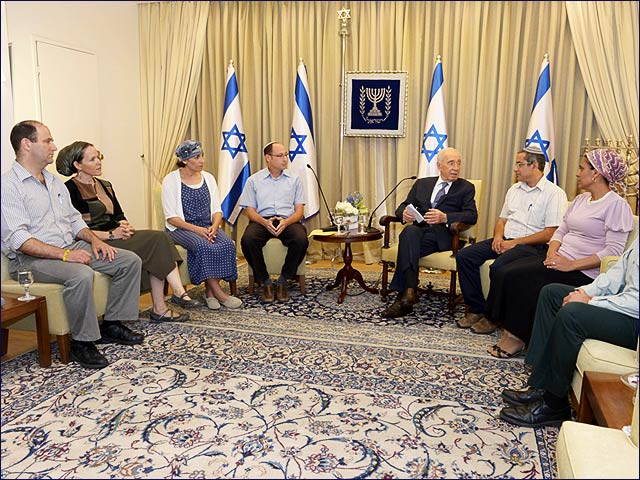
[{"x": 376, "y": 104}]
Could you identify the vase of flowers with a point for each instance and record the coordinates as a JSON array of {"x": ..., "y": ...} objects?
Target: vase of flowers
[{"x": 350, "y": 209}]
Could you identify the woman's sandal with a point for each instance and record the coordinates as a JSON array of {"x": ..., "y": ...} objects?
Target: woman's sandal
[
  {"x": 167, "y": 316},
  {"x": 184, "y": 303},
  {"x": 498, "y": 352}
]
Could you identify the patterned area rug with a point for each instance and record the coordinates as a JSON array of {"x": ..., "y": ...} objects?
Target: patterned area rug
[{"x": 308, "y": 389}]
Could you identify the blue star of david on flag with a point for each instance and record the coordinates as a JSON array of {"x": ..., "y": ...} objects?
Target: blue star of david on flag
[
  {"x": 537, "y": 139},
  {"x": 440, "y": 140},
  {"x": 226, "y": 137},
  {"x": 299, "y": 149}
]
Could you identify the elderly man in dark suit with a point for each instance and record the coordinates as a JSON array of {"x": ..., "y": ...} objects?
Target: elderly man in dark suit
[{"x": 440, "y": 200}]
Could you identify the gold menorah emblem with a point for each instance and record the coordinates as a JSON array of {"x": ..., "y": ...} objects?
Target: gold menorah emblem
[{"x": 375, "y": 95}]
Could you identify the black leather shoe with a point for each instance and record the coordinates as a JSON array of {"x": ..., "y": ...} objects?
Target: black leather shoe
[
  {"x": 184, "y": 303},
  {"x": 397, "y": 309},
  {"x": 410, "y": 298},
  {"x": 115, "y": 332},
  {"x": 536, "y": 414},
  {"x": 87, "y": 355},
  {"x": 522, "y": 397}
]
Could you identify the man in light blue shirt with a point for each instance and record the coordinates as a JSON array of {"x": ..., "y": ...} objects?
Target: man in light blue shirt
[
  {"x": 274, "y": 200},
  {"x": 44, "y": 233},
  {"x": 606, "y": 310}
]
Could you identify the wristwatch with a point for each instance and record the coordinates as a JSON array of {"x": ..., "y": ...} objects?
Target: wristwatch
[{"x": 111, "y": 235}]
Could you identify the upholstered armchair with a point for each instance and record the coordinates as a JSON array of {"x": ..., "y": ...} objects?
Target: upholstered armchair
[{"x": 463, "y": 234}]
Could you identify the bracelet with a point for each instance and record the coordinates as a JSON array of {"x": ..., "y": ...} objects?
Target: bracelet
[{"x": 66, "y": 254}]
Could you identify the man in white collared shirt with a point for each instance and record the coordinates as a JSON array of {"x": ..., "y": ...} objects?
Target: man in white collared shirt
[
  {"x": 274, "y": 200},
  {"x": 531, "y": 213}
]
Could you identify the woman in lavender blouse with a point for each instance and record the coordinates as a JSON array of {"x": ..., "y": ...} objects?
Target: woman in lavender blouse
[{"x": 596, "y": 224}]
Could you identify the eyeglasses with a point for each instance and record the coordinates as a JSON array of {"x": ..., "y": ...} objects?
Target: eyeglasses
[
  {"x": 279, "y": 155},
  {"x": 521, "y": 164}
]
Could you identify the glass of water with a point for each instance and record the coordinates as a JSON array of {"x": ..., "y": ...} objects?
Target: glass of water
[
  {"x": 362, "y": 223},
  {"x": 25, "y": 278},
  {"x": 339, "y": 219}
]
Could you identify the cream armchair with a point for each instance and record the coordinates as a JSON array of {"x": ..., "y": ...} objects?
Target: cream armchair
[
  {"x": 56, "y": 310},
  {"x": 439, "y": 260},
  {"x": 589, "y": 451}
]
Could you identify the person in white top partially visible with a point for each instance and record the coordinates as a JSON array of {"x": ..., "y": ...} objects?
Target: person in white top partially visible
[{"x": 531, "y": 213}]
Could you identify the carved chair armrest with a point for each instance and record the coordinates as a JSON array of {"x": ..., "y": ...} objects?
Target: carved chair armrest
[
  {"x": 456, "y": 228},
  {"x": 386, "y": 222}
]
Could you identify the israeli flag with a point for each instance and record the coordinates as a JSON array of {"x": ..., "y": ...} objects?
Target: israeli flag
[
  {"x": 540, "y": 134},
  {"x": 435, "y": 135},
  {"x": 302, "y": 148},
  {"x": 233, "y": 159}
]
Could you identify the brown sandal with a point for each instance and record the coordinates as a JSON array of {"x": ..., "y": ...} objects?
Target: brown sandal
[{"x": 498, "y": 352}]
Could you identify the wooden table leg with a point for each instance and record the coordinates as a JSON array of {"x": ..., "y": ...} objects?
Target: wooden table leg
[{"x": 42, "y": 332}]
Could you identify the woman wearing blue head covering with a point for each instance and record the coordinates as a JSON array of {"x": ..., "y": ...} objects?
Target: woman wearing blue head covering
[{"x": 191, "y": 205}]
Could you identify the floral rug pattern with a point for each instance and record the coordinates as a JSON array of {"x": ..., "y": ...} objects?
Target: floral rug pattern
[
  {"x": 142, "y": 419},
  {"x": 309, "y": 389}
]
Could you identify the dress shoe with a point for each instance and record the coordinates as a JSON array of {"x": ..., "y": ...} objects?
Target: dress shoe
[
  {"x": 522, "y": 397},
  {"x": 469, "y": 319},
  {"x": 397, "y": 309},
  {"x": 232, "y": 302},
  {"x": 267, "y": 293},
  {"x": 87, "y": 355},
  {"x": 536, "y": 414},
  {"x": 484, "y": 326},
  {"x": 184, "y": 303},
  {"x": 116, "y": 332},
  {"x": 282, "y": 293},
  {"x": 409, "y": 298}
]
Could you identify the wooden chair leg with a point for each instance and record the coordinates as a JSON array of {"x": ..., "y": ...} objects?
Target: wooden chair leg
[
  {"x": 250, "y": 284},
  {"x": 5, "y": 341},
  {"x": 64, "y": 344},
  {"x": 233, "y": 288},
  {"x": 384, "y": 292},
  {"x": 303, "y": 287},
  {"x": 452, "y": 292}
]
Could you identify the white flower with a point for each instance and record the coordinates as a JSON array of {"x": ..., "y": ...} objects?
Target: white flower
[{"x": 346, "y": 208}]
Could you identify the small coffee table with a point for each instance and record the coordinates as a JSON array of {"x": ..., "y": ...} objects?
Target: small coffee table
[
  {"x": 348, "y": 272},
  {"x": 605, "y": 400},
  {"x": 14, "y": 310}
]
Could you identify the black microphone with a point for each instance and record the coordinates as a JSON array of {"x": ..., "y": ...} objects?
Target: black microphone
[
  {"x": 371, "y": 229},
  {"x": 333, "y": 227}
]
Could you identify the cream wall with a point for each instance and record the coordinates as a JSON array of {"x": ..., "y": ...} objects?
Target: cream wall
[{"x": 110, "y": 31}]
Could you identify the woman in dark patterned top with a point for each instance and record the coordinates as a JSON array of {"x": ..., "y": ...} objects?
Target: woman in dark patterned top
[{"x": 95, "y": 199}]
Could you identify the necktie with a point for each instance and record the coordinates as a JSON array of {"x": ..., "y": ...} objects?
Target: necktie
[{"x": 440, "y": 194}]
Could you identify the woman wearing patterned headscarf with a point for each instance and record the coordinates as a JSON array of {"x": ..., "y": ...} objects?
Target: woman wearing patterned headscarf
[
  {"x": 96, "y": 200},
  {"x": 596, "y": 224},
  {"x": 193, "y": 215}
]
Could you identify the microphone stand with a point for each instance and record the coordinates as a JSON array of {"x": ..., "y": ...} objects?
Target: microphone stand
[
  {"x": 333, "y": 227},
  {"x": 371, "y": 229}
]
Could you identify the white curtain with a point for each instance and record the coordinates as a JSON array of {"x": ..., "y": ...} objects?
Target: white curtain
[
  {"x": 605, "y": 37},
  {"x": 172, "y": 39}
]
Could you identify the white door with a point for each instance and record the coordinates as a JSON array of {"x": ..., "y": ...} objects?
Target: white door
[{"x": 68, "y": 93}]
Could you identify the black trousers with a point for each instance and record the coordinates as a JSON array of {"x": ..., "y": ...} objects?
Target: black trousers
[
  {"x": 294, "y": 237},
  {"x": 515, "y": 289},
  {"x": 558, "y": 334},
  {"x": 470, "y": 259},
  {"x": 415, "y": 242}
]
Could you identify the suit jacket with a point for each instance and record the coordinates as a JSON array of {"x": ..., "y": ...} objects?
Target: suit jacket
[{"x": 459, "y": 204}]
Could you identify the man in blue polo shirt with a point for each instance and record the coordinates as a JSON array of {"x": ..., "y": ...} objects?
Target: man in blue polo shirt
[{"x": 274, "y": 200}]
